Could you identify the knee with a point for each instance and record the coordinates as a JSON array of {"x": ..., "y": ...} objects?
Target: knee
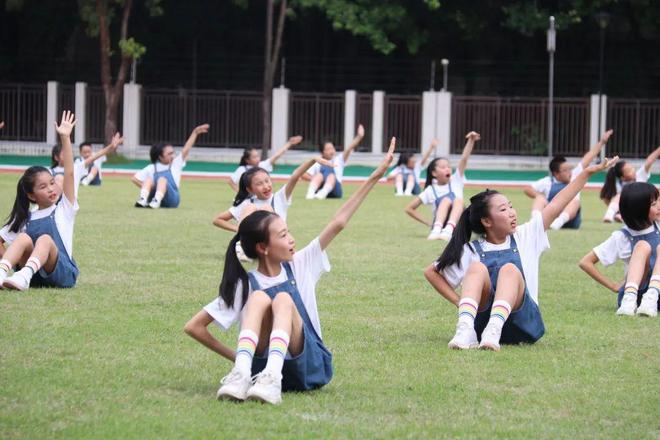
[
  {"x": 509, "y": 270},
  {"x": 477, "y": 268},
  {"x": 258, "y": 299},
  {"x": 46, "y": 239},
  {"x": 23, "y": 238},
  {"x": 162, "y": 180},
  {"x": 282, "y": 301},
  {"x": 642, "y": 247}
]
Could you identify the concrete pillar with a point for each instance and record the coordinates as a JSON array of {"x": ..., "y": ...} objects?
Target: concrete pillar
[
  {"x": 429, "y": 117},
  {"x": 594, "y": 134},
  {"x": 443, "y": 123},
  {"x": 52, "y": 107},
  {"x": 279, "y": 122},
  {"x": 377, "y": 118},
  {"x": 81, "y": 113},
  {"x": 350, "y": 104},
  {"x": 131, "y": 122}
]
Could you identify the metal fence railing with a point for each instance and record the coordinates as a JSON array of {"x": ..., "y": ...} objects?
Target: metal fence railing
[
  {"x": 23, "y": 109},
  {"x": 170, "y": 115},
  {"x": 636, "y": 125},
  {"x": 318, "y": 117},
  {"x": 403, "y": 119},
  {"x": 518, "y": 126}
]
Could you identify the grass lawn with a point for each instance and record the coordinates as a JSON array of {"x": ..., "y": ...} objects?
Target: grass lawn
[{"x": 109, "y": 359}]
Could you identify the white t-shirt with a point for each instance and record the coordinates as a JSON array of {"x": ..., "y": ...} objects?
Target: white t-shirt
[
  {"x": 640, "y": 176},
  {"x": 308, "y": 265},
  {"x": 278, "y": 200},
  {"x": 457, "y": 182},
  {"x": 401, "y": 169},
  {"x": 236, "y": 175},
  {"x": 177, "y": 168},
  {"x": 618, "y": 247},
  {"x": 543, "y": 185},
  {"x": 532, "y": 241},
  {"x": 65, "y": 215},
  {"x": 339, "y": 167}
]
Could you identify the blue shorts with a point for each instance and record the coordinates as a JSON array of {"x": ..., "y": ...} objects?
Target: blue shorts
[
  {"x": 64, "y": 275},
  {"x": 524, "y": 325},
  {"x": 171, "y": 198}
]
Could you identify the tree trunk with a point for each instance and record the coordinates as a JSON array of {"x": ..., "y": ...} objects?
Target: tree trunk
[{"x": 271, "y": 57}]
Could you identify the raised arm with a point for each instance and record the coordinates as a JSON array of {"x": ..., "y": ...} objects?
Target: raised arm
[
  {"x": 471, "y": 137},
  {"x": 299, "y": 172},
  {"x": 344, "y": 214},
  {"x": 651, "y": 159},
  {"x": 595, "y": 150},
  {"x": 200, "y": 129},
  {"x": 64, "y": 130},
  {"x": 427, "y": 154},
  {"x": 559, "y": 202},
  {"x": 354, "y": 143},
  {"x": 116, "y": 141},
  {"x": 294, "y": 140},
  {"x": 588, "y": 264}
]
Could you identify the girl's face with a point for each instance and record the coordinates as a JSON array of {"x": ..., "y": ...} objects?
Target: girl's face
[
  {"x": 281, "y": 244},
  {"x": 442, "y": 172},
  {"x": 411, "y": 162},
  {"x": 86, "y": 152},
  {"x": 261, "y": 186},
  {"x": 628, "y": 173},
  {"x": 45, "y": 191},
  {"x": 254, "y": 158},
  {"x": 502, "y": 218},
  {"x": 329, "y": 151},
  {"x": 654, "y": 211},
  {"x": 167, "y": 156}
]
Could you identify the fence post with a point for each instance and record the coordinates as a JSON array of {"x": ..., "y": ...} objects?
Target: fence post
[
  {"x": 279, "y": 122},
  {"x": 428, "y": 118},
  {"x": 443, "y": 123},
  {"x": 377, "y": 117},
  {"x": 350, "y": 103},
  {"x": 81, "y": 112},
  {"x": 131, "y": 120},
  {"x": 52, "y": 106},
  {"x": 594, "y": 135}
]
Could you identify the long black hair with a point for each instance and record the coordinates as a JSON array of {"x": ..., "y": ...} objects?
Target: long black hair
[
  {"x": 635, "y": 203},
  {"x": 252, "y": 230},
  {"x": 403, "y": 159},
  {"x": 54, "y": 156},
  {"x": 21, "y": 211},
  {"x": 244, "y": 183},
  {"x": 469, "y": 222},
  {"x": 246, "y": 156},
  {"x": 613, "y": 175},
  {"x": 429, "y": 170},
  {"x": 156, "y": 151}
]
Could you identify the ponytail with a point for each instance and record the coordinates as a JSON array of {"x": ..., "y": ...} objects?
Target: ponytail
[
  {"x": 21, "y": 211},
  {"x": 469, "y": 222},
  {"x": 608, "y": 191},
  {"x": 244, "y": 183},
  {"x": 231, "y": 274}
]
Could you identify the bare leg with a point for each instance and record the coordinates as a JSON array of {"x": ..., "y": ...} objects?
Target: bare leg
[
  {"x": 398, "y": 184},
  {"x": 287, "y": 318},
  {"x": 476, "y": 290},
  {"x": 456, "y": 211},
  {"x": 410, "y": 184},
  {"x": 45, "y": 250},
  {"x": 510, "y": 286},
  {"x": 442, "y": 212},
  {"x": 476, "y": 283},
  {"x": 328, "y": 186},
  {"x": 637, "y": 271},
  {"x": 612, "y": 209},
  {"x": 314, "y": 184},
  {"x": 161, "y": 186},
  {"x": 19, "y": 251}
]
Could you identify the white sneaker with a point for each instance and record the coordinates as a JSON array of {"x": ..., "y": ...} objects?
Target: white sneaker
[
  {"x": 649, "y": 305},
  {"x": 241, "y": 254},
  {"x": 154, "y": 204},
  {"x": 3, "y": 276},
  {"x": 267, "y": 388},
  {"x": 321, "y": 194},
  {"x": 446, "y": 234},
  {"x": 556, "y": 224},
  {"x": 628, "y": 306},
  {"x": 435, "y": 234},
  {"x": 490, "y": 338},
  {"x": 141, "y": 203},
  {"x": 465, "y": 337},
  {"x": 310, "y": 193},
  {"x": 18, "y": 281},
  {"x": 398, "y": 194},
  {"x": 234, "y": 386}
]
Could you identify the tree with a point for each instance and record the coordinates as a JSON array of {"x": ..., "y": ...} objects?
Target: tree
[{"x": 98, "y": 15}]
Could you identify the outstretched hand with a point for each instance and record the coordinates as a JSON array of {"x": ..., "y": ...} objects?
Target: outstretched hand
[
  {"x": 606, "y": 136},
  {"x": 603, "y": 165},
  {"x": 295, "y": 140},
  {"x": 116, "y": 141},
  {"x": 435, "y": 142},
  {"x": 473, "y": 136},
  {"x": 66, "y": 125},
  {"x": 360, "y": 131},
  {"x": 387, "y": 160},
  {"x": 201, "y": 129}
]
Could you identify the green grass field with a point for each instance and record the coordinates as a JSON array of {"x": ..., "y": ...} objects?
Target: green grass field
[{"x": 109, "y": 359}]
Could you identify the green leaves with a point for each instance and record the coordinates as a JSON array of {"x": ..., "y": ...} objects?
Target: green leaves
[{"x": 131, "y": 48}]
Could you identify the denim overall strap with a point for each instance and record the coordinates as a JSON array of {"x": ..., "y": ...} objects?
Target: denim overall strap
[
  {"x": 555, "y": 187},
  {"x": 47, "y": 226}
]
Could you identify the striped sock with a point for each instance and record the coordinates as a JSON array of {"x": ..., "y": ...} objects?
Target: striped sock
[
  {"x": 653, "y": 284},
  {"x": 247, "y": 344},
  {"x": 279, "y": 343},
  {"x": 5, "y": 267},
  {"x": 33, "y": 264},
  {"x": 499, "y": 313},
  {"x": 631, "y": 290},
  {"x": 467, "y": 310}
]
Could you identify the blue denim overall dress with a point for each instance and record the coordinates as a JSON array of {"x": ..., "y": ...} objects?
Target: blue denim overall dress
[
  {"x": 652, "y": 238},
  {"x": 313, "y": 367},
  {"x": 337, "y": 192},
  {"x": 438, "y": 200},
  {"x": 555, "y": 187},
  {"x": 524, "y": 325},
  {"x": 66, "y": 271},
  {"x": 171, "y": 198},
  {"x": 405, "y": 172}
]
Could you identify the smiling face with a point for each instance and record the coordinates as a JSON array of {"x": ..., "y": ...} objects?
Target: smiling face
[
  {"x": 328, "y": 152},
  {"x": 45, "y": 192},
  {"x": 167, "y": 156},
  {"x": 564, "y": 173},
  {"x": 442, "y": 171},
  {"x": 254, "y": 157},
  {"x": 502, "y": 218},
  {"x": 281, "y": 244},
  {"x": 260, "y": 185}
]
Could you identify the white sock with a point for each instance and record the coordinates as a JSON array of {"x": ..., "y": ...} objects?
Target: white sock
[
  {"x": 144, "y": 194},
  {"x": 159, "y": 196},
  {"x": 399, "y": 187},
  {"x": 277, "y": 348},
  {"x": 33, "y": 265},
  {"x": 630, "y": 290},
  {"x": 311, "y": 190},
  {"x": 612, "y": 209},
  {"x": 499, "y": 313},
  {"x": 5, "y": 267},
  {"x": 467, "y": 310},
  {"x": 409, "y": 189},
  {"x": 323, "y": 193},
  {"x": 247, "y": 345},
  {"x": 449, "y": 227},
  {"x": 560, "y": 221}
]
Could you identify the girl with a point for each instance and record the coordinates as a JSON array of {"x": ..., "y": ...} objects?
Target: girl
[
  {"x": 280, "y": 339},
  {"x": 159, "y": 182},
  {"x": 637, "y": 245},
  {"x": 57, "y": 167},
  {"x": 618, "y": 177},
  {"x": 92, "y": 161},
  {"x": 251, "y": 158},
  {"x": 407, "y": 172},
  {"x": 41, "y": 241},
  {"x": 325, "y": 181},
  {"x": 445, "y": 192},
  {"x": 499, "y": 271},
  {"x": 545, "y": 189}
]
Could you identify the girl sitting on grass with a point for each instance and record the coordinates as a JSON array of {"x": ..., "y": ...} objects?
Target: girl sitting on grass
[
  {"x": 280, "y": 338},
  {"x": 92, "y": 161},
  {"x": 41, "y": 241},
  {"x": 407, "y": 172},
  {"x": 499, "y": 271},
  {"x": 637, "y": 245}
]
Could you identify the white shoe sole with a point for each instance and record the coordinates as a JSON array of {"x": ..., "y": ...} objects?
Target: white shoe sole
[
  {"x": 625, "y": 313},
  {"x": 646, "y": 313},
  {"x": 489, "y": 346},
  {"x": 10, "y": 285},
  {"x": 263, "y": 399},
  {"x": 455, "y": 346},
  {"x": 230, "y": 397}
]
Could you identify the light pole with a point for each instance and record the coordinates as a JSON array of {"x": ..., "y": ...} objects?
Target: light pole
[
  {"x": 603, "y": 19},
  {"x": 551, "y": 82},
  {"x": 445, "y": 69}
]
